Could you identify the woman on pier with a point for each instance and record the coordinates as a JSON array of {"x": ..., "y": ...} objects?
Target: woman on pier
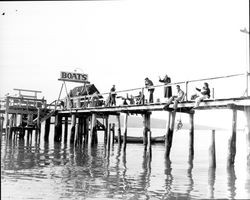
[
  {"x": 167, "y": 89},
  {"x": 204, "y": 93}
]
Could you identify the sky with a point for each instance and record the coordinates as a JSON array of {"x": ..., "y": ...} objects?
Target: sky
[{"x": 122, "y": 42}]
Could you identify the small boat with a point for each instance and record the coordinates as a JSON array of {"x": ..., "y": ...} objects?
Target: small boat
[{"x": 133, "y": 139}]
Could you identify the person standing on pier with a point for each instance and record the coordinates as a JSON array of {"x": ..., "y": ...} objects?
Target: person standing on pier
[
  {"x": 167, "y": 89},
  {"x": 113, "y": 96},
  {"x": 176, "y": 99},
  {"x": 149, "y": 84},
  {"x": 204, "y": 93}
]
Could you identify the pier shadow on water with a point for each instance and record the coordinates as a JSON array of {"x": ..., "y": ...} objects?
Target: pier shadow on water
[{"x": 42, "y": 170}]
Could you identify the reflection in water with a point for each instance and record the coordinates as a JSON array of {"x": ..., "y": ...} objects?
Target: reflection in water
[
  {"x": 61, "y": 170},
  {"x": 190, "y": 176},
  {"x": 247, "y": 185},
  {"x": 168, "y": 178},
  {"x": 211, "y": 181},
  {"x": 231, "y": 178}
]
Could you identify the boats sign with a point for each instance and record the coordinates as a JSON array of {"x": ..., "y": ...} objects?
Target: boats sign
[{"x": 73, "y": 77}]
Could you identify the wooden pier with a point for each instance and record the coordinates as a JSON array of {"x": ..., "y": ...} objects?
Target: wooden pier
[{"x": 22, "y": 114}]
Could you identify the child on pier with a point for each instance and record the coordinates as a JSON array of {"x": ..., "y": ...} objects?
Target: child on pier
[
  {"x": 175, "y": 99},
  {"x": 204, "y": 93}
]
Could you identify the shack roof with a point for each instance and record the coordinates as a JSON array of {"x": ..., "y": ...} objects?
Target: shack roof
[{"x": 84, "y": 90}]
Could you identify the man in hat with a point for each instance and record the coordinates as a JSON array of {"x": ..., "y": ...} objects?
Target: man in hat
[
  {"x": 149, "y": 84},
  {"x": 112, "y": 96}
]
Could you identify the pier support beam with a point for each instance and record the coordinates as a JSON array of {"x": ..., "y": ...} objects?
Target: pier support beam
[
  {"x": 1, "y": 124},
  {"x": 72, "y": 129},
  {"x": 247, "y": 114},
  {"x": 38, "y": 120},
  {"x": 146, "y": 124},
  {"x": 66, "y": 129},
  {"x": 109, "y": 137},
  {"x": 125, "y": 132},
  {"x": 119, "y": 130},
  {"x": 86, "y": 130},
  {"x": 169, "y": 134},
  {"x": 145, "y": 130},
  {"x": 6, "y": 118},
  {"x": 106, "y": 129},
  {"x": 191, "y": 135},
  {"x": 79, "y": 129},
  {"x": 232, "y": 141},
  {"x": 77, "y": 134},
  {"x": 58, "y": 128},
  {"x": 47, "y": 129},
  {"x": 93, "y": 133},
  {"x": 113, "y": 133},
  {"x": 211, "y": 151}
]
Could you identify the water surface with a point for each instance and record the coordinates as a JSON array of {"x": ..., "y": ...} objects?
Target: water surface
[{"x": 38, "y": 170}]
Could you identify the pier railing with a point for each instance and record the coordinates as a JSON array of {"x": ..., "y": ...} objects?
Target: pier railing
[
  {"x": 22, "y": 102},
  {"x": 227, "y": 86}
]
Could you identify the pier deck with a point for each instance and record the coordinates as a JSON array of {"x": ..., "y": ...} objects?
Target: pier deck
[{"x": 185, "y": 106}]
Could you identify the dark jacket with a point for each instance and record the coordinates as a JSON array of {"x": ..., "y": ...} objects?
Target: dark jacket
[{"x": 168, "y": 89}]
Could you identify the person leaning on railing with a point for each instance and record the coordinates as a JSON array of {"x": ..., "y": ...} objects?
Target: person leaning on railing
[{"x": 204, "y": 93}]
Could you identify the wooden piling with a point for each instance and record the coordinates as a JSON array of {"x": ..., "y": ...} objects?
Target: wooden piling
[
  {"x": 93, "y": 129},
  {"x": 149, "y": 133},
  {"x": 232, "y": 141},
  {"x": 58, "y": 128},
  {"x": 77, "y": 136},
  {"x": 211, "y": 151},
  {"x": 119, "y": 130},
  {"x": 106, "y": 129},
  {"x": 47, "y": 129},
  {"x": 80, "y": 130},
  {"x": 66, "y": 129},
  {"x": 191, "y": 134},
  {"x": 145, "y": 130},
  {"x": 125, "y": 132},
  {"x": 86, "y": 130},
  {"x": 38, "y": 119},
  {"x": 169, "y": 134},
  {"x": 10, "y": 127},
  {"x": 113, "y": 133},
  {"x": 109, "y": 137},
  {"x": 6, "y": 122},
  {"x": 247, "y": 115},
  {"x": 72, "y": 129},
  {"x": 1, "y": 123}
]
